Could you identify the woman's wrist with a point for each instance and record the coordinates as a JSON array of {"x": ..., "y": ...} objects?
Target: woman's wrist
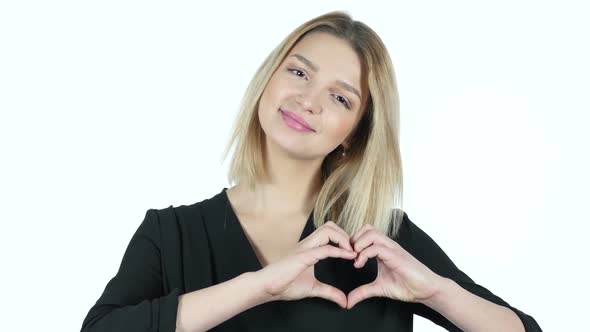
[
  {"x": 257, "y": 289},
  {"x": 443, "y": 288}
]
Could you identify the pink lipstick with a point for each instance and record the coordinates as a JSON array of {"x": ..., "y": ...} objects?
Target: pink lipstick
[{"x": 295, "y": 122}]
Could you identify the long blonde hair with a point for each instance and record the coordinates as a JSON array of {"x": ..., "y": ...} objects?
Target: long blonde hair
[{"x": 366, "y": 187}]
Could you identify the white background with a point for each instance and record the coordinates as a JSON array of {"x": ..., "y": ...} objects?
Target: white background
[{"x": 111, "y": 108}]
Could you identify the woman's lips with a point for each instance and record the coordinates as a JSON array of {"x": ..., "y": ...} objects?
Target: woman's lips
[{"x": 295, "y": 121}]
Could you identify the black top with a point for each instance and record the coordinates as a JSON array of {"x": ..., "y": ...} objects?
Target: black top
[{"x": 177, "y": 250}]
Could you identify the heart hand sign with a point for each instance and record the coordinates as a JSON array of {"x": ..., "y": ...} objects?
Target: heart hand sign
[{"x": 400, "y": 276}]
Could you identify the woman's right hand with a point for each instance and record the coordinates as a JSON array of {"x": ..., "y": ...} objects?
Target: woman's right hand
[{"x": 292, "y": 277}]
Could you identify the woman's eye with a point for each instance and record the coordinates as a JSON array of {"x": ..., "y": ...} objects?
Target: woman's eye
[
  {"x": 296, "y": 71},
  {"x": 343, "y": 101},
  {"x": 301, "y": 73}
]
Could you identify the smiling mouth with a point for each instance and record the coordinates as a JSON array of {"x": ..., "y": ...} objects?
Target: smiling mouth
[{"x": 285, "y": 115}]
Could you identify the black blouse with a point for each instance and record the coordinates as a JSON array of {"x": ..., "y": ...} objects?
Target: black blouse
[{"x": 177, "y": 250}]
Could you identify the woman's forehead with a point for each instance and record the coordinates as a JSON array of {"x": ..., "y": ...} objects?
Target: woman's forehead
[{"x": 326, "y": 54}]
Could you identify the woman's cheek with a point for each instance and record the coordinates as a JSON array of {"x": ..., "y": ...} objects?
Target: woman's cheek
[{"x": 341, "y": 129}]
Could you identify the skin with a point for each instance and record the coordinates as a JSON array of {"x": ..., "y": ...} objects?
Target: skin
[{"x": 295, "y": 158}]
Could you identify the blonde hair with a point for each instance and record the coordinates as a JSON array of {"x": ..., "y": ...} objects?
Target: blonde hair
[{"x": 366, "y": 187}]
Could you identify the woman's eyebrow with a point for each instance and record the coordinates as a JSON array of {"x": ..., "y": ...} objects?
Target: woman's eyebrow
[
  {"x": 315, "y": 68},
  {"x": 350, "y": 88},
  {"x": 306, "y": 61}
]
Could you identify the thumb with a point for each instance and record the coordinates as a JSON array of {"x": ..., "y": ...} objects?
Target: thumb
[
  {"x": 328, "y": 292},
  {"x": 361, "y": 293}
]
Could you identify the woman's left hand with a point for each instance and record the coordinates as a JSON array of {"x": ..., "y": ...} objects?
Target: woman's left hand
[{"x": 400, "y": 276}]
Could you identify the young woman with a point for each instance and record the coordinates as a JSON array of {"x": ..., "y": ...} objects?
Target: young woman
[{"x": 312, "y": 237}]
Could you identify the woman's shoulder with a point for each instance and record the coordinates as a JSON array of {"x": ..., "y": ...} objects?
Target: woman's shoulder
[
  {"x": 399, "y": 226},
  {"x": 188, "y": 210},
  {"x": 181, "y": 216},
  {"x": 409, "y": 235}
]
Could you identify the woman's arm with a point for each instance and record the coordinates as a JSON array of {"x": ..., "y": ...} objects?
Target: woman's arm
[
  {"x": 471, "y": 312},
  {"x": 135, "y": 300},
  {"x": 205, "y": 308},
  {"x": 462, "y": 299}
]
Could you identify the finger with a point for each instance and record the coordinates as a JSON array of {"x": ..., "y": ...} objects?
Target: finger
[
  {"x": 360, "y": 232},
  {"x": 345, "y": 237},
  {"x": 314, "y": 255},
  {"x": 371, "y": 237},
  {"x": 377, "y": 250},
  {"x": 328, "y": 292},
  {"x": 363, "y": 292},
  {"x": 337, "y": 228},
  {"x": 324, "y": 235}
]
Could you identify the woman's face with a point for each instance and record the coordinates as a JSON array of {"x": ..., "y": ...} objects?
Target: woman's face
[{"x": 320, "y": 82}]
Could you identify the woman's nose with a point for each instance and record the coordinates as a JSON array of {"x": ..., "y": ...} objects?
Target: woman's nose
[{"x": 309, "y": 101}]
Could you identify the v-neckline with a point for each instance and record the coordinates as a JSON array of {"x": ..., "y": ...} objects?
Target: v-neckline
[{"x": 307, "y": 230}]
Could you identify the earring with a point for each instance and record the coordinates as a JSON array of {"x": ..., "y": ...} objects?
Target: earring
[{"x": 343, "y": 152}]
